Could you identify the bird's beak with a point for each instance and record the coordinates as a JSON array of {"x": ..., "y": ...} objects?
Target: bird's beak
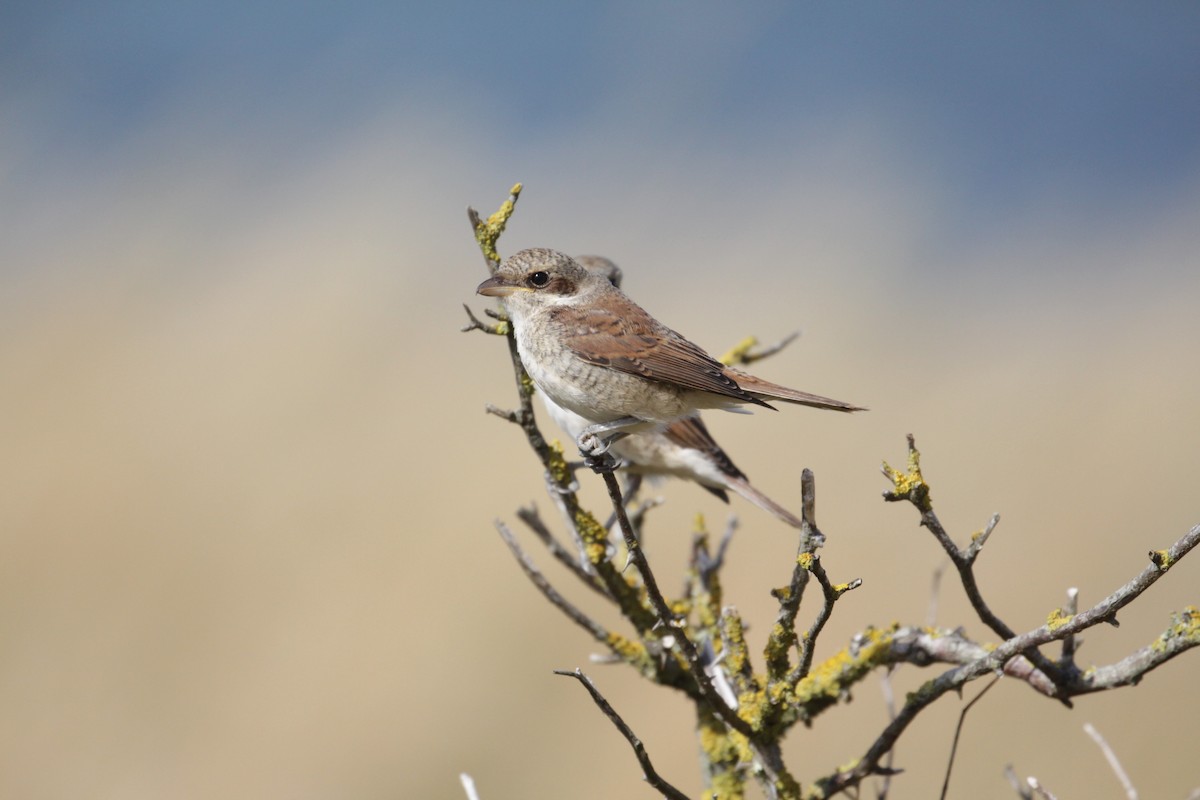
[{"x": 497, "y": 286}]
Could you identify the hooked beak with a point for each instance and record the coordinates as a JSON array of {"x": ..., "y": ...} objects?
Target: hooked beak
[{"x": 497, "y": 286}]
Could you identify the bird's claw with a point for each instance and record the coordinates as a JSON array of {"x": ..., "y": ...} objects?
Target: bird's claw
[
  {"x": 601, "y": 463},
  {"x": 591, "y": 445}
]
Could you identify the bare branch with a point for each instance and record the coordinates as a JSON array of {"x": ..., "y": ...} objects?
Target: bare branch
[
  {"x": 1183, "y": 634},
  {"x": 831, "y": 594},
  {"x": 911, "y": 485},
  {"x": 652, "y": 777},
  {"x": 728, "y": 715},
  {"x": 534, "y": 522},
  {"x": 1113, "y": 762},
  {"x": 1019, "y": 786},
  {"x": 476, "y": 324},
  {"x": 1039, "y": 790},
  {"x": 598, "y": 632},
  {"x": 962, "y": 716},
  {"x": 502, "y": 413},
  {"x": 1069, "y": 643},
  {"x": 889, "y": 702},
  {"x": 783, "y": 635},
  {"x": 746, "y": 352}
]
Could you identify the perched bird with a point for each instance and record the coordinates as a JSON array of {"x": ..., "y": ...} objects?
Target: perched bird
[
  {"x": 684, "y": 449},
  {"x": 593, "y": 351}
]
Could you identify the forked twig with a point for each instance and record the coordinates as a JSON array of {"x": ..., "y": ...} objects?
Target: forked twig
[
  {"x": 652, "y": 777},
  {"x": 667, "y": 618}
]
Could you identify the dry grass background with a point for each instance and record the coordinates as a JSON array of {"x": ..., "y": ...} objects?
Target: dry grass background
[{"x": 246, "y": 506}]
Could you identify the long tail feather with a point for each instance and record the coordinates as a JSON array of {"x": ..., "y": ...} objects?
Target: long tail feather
[
  {"x": 773, "y": 391},
  {"x": 743, "y": 487}
]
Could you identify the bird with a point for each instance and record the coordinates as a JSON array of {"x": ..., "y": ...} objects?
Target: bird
[
  {"x": 684, "y": 449},
  {"x": 593, "y": 351}
]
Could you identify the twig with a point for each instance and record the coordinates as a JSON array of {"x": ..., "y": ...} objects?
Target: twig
[
  {"x": 1039, "y": 790},
  {"x": 911, "y": 486},
  {"x": 707, "y": 567},
  {"x": 1019, "y": 786},
  {"x": 889, "y": 702},
  {"x": 488, "y": 231},
  {"x": 468, "y": 784},
  {"x": 728, "y": 715},
  {"x": 652, "y": 777},
  {"x": 831, "y": 594},
  {"x": 962, "y": 716},
  {"x": 1113, "y": 762},
  {"x": 1067, "y": 660},
  {"x": 747, "y": 351},
  {"x": 476, "y": 324},
  {"x": 640, "y": 511},
  {"x": 534, "y": 522},
  {"x": 1183, "y": 634},
  {"x": 783, "y": 635},
  {"x": 598, "y": 632}
]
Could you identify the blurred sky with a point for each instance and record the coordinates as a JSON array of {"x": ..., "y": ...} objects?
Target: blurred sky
[{"x": 247, "y": 510}]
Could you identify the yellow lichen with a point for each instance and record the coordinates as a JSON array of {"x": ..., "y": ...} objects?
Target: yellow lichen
[
  {"x": 734, "y": 636},
  {"x": 833, "y": 675},
  {"x": 557, "y": 464},
  {"x": 1162, "y": 559},
  {"x": 631, "y": 652},
  {"x": 737, "y": 353},
  {"x": 527, "y": 384},
  {"x": 1184, "y": 625},
  {"x": 489, "y": 230},
  {"x": 752, "y": 705},
  {"x": 595, "y": 538},
  {"x": 726, "y": 751},
  {"x": 1057, "y": 618},
  {"x": 910, "y": 485}
]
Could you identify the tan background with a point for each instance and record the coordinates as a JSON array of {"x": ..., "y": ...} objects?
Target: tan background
[{"x": 246, "y": 505}]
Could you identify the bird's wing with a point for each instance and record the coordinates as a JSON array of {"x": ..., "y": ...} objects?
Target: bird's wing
[
  {"x": 691, "y": 433},
  {"x": 622, "y": 336}
]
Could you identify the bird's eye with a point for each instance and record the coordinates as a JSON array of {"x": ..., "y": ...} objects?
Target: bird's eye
[{"x": 539, "y": 278}]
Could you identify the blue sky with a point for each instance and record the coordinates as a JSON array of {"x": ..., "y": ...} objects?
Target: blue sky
[{"x": 1097, "y": 97}]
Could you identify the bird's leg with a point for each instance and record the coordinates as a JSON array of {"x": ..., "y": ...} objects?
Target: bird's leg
[{"x": 595, "y": 439}]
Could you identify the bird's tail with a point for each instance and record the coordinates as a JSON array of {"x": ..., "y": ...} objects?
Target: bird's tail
[
  {"x": 743, "y": 487},
  {"x": 765, "y": 390}
]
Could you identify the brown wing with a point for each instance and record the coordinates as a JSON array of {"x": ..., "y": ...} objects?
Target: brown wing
[
  {"x": 622, "y": 336},
  {"x": 693, "y": 434}
]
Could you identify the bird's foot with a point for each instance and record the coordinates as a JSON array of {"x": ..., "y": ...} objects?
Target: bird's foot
[
  {"x": 601, "y": 463},
  {"x": 593, "y": 445},
  {"x": 595, "y": 439}
]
